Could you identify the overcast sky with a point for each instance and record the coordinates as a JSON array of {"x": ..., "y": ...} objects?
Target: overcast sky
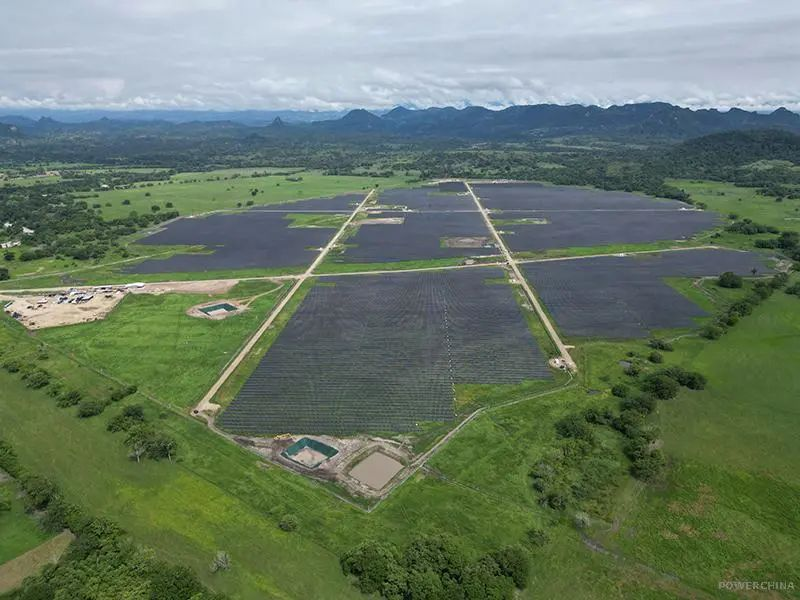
[{"x": 326, "y": 54}]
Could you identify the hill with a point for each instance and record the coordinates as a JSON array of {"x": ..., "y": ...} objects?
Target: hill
[{"x": 710, "y": 155}]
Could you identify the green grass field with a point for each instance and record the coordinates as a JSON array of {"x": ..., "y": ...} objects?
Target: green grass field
[
  {"x": 150, "y": 341},
  {"x": 726, "y": 198},
  {"x": 19, "y": 532},
  {"x": 194, "y": 193}
]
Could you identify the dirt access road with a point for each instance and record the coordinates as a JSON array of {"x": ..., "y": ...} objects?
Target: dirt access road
[
  {"x": 206, "y": 407},
  {"x": 512, "y": 264}
]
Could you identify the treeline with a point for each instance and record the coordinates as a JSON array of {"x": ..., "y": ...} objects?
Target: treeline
[
  {"x": 436, "y": 567},
  {"x": 788, "y": 242},
  {"x": 143, "y": 439},
  {"x": 102, "y": 561}
]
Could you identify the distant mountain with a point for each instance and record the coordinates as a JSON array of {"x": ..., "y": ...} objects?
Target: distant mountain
[
  {"x": 655, "y": 119},
  {"x": 648, "y": 121},
  {"x": 253, "y": 118}
]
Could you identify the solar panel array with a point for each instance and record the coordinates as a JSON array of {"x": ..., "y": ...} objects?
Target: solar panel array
[
  {"x": 253, "y": 239},
  {"x": 626, "y": 297},
  {"x": 382, "y": 353},
  {"x": 576, "y": 217},
  {"x": 420, "y": 236}
]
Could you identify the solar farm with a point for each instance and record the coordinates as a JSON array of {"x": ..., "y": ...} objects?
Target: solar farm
[{"x": 385, "y": 352}]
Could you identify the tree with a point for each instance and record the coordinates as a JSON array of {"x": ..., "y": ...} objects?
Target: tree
[
  {"x": 513, "y": 562},
  {"x": 138, "y": 440},
  {"x": 4, "y": 274},
  {"x": 90, "y": 408},
  {"x": 372, "y": 564},
  {"x": 173, "y": 582},
  {"x": 656, "y": 357},
  {"x": 729, "y": 279},
  {"x": 161, "y": 446},
  {"x": 661, "y": 386},
  {"x": 619, "y": 390}
]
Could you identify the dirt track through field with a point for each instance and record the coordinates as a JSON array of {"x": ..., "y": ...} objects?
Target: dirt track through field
[{"x": 512, "y": 263}]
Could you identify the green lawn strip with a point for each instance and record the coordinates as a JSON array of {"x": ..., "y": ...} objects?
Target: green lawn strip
[
  {"x": 19, "y": 531},
  {"x": 327, "y": 220},
  {"x": 335, "y": 264},
  {"x": 208, "y": 193},
  {"x": 700, "y": 240},
  {"x": 150, "y": 341}
]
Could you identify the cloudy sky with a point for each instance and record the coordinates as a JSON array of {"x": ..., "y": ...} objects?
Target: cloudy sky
[{"x": 326, "y": 54}]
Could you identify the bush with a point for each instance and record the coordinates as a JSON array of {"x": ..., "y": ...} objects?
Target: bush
[
  {"x": 661, "y": 386},
  {"x": 659, "y": 344},
  {"x": 794, "y": 290},
  {"x": 643, "y": 403},
  {"x": 288, "y": 523},
  {"x": 70, "y": 398},
  {"x": 123, "y": 392},
  {"x": 36, "y": 378},
  {"x": 573, "y": 426},
  {"x": 90, "y": 408},
  {"x": 620, "y": 390},
  {"x": 730, "y": 279},
  {"x": 130, "y": 416},
  {"x": 711, "y": 332},
  {"x": 649, "y": 466},
  {"x": 4, "y": 274},
  {"x": 656, "y": 358},
  {"x": 536, "y": 537},
  {"x": 514, "y": 564}
]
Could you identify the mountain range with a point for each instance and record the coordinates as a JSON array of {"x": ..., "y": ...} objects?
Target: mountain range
[{"x": 645, "y": 120}]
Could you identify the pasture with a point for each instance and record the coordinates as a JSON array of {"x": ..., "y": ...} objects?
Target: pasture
[
  {"x": 195, "y": 193},
  {"x": 150, "y": 341}
]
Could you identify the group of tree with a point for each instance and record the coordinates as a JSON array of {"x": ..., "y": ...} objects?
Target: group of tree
[
  {"x": 435, "y": 567},
  {"x": 102, "y": 561},
  {"x": 143, "y": 439},
  {"x": 762, "y": 289}
]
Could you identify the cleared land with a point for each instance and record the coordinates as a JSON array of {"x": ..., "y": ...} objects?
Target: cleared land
[
  {"x": 14, "y": 572},
  {"x": 382, "y": 353},
  {"x": 625, "y": 296}
]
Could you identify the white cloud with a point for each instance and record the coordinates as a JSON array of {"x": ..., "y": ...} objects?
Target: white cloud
[{"x": 323, "y": 54}]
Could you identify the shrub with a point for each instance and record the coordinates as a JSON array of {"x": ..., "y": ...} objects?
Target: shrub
[
  {"x": 36, "y": 378},
  {"x": 649, "y": 466},
  {"x": 4, "y": 274},
  {"x": 633, "y": 370},
  {"x": 643, "y": 403},
  {"x": 123, "y": 392},
  {"x": 90, "y": 408},
  {"x": 514, "y": 564},
  {"x": 711, "y": 332},
  {"x": 659, "y": 344},
  {"x": 12, "y": 366},
  {"x": 656, "y": 358},
  {"x": 536, "y": 537},
  {"x": 729, "y": 279},
  {"x": 661, "y": 386},
  {"x": 70, "y": 398},
  {"x": 288, "y": 523},
  {"x": 221, "y": 562},
  {"x": 794, "y": 289},
  {"x": 573, "y": 426},
  {"x": 620, "y": 390}
]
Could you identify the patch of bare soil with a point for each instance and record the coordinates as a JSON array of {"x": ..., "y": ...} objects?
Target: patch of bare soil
[
  {"x": 466, "y": 242},
  {"x": 210, "y": 286},
  {"x": 383, "y": 221},
  {"x": 56, "y": 309}
]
